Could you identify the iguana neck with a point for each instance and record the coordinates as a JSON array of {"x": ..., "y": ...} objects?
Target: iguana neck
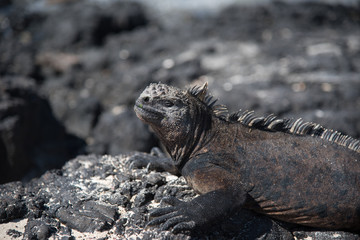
[{"x": 199, "y": 135}]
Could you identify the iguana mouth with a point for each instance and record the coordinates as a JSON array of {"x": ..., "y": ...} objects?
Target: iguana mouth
[{"x": 147, "y": 112}]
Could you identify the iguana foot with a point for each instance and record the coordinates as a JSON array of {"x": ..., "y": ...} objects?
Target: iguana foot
[
  {"x": 197, "y": 213},
  {"x": 140, "y": 160},
  {"x": 155, "y": 160},
  {"x": 180, "y": 216}
]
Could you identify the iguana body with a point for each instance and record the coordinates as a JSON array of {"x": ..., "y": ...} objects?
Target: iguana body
[{"x": 292, "y": 171}]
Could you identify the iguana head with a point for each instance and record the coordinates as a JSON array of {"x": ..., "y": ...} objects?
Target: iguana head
[
  {"x": 177, "y": 117},
  {"x": 166, "y": 109},
  {"x": 160, "y": 105}
]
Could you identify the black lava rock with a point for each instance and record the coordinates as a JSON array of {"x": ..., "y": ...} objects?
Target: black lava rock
[
  {"x": 12, "y": 204},
  {"x": 91, "y": 60},
  {"x": 118, "y": 131},
  {"x": 30, "y": 136},
  {"x": 86, "y": 199}
]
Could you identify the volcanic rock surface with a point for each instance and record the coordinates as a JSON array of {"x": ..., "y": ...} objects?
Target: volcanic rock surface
[{"x": 71, "y": 70}]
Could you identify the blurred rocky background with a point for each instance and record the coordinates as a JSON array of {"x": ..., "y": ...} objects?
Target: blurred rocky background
[{"x": 70, "y": 70}]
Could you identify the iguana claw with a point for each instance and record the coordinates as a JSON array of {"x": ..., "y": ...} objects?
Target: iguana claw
[
  {"x": 179, "y": 216},
  {"x": 155, "y": 160}
]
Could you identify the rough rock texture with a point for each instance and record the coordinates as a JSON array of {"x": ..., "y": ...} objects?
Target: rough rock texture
[
  {"x": 296, "y": 60},
  {"x": 113, "y": 129},
  {"x": 101, "y": 197},
  {"x": 300, "y": 60},
  {"x": 30, "y": 136},
  {"x": 61, "y": 45},
  {"x": 303, "y": 63}
]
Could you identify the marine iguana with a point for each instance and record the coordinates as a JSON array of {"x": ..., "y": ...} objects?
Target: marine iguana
[{"x": 294, "y": 171}]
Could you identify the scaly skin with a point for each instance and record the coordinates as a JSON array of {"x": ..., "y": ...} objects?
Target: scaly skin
[{"x": 294, "y": 174}]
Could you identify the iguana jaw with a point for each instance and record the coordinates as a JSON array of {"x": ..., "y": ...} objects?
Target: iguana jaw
[{"x": 147, "y": 113}]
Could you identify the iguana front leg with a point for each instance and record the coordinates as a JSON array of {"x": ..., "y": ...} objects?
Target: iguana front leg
[
  {"x": 156, "y": 160},
  {"x": 207, "y": 208},
  {"x": 220, "y": 195}
]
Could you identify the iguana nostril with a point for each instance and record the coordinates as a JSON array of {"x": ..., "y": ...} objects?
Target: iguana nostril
[{"x": 146, "y": 99}]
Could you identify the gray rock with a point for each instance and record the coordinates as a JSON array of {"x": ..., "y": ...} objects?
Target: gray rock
[
  {"x": 111, "y": 133},
  {"x": 30, "y": 136},
  {"x": 101, "y": 197},
  {"x": 91, "y": 60},
  {"x": 12, "y": 204}
]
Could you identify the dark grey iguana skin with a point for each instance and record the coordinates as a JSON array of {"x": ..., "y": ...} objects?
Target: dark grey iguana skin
[{"x": 293, "y": 171}]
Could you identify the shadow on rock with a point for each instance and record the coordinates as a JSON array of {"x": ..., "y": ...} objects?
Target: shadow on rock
[{"x": 30, "y": 136}]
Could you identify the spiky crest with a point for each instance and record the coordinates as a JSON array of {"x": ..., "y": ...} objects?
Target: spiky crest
[
  {"x": 295, "y": 127},
  {"x": 200, "y": 92},
  {"x": 273, "y": 123}
]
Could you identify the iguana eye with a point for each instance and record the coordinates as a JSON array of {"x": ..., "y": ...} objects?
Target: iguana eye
[{"x": 168, "y": 103}]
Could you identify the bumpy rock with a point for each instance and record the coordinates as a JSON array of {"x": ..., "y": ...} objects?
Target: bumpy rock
[
  {"x": 30, "y": 136},
  {"x": 101, "y": 197},
  {"x": 12, "y": 204},
  {"x": 295, "y": 60},
  {"x": 28, "y": 27},
  {"x": 277, "y": 58},
  {"x": 111, "y": 134}
]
